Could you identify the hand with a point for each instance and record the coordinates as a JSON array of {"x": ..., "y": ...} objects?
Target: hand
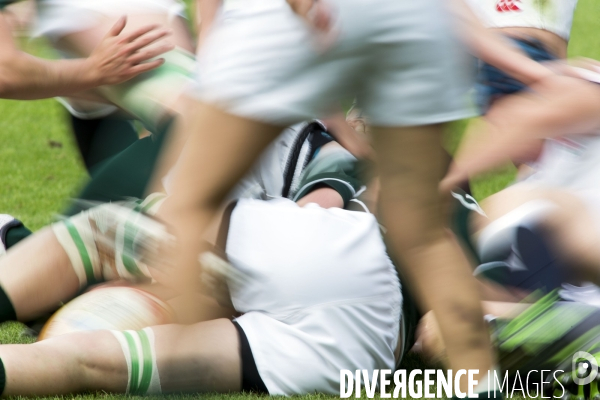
[
  {"x": 453, "y": 179},
  {"x": 120, "y": 57}
]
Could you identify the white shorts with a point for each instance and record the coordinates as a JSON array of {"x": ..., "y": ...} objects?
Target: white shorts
[
  {"x": 57, "y": 18},
  {"x": 320, "y": 293},
  {"x": 399, "y": 58}
]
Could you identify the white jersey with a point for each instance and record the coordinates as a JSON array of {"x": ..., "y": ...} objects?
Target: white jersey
[
  {"x": 571, "y": 163},
  {"x": 320, "y": 293},
  {"x": 555, "y": 16}
]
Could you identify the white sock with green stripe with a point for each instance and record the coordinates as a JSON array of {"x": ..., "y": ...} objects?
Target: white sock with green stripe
[
  {"x": 136, "y": 231},
  {"x": 123, "y": 229},
  {"x": 140, "y": 355},
  {"x": 77, "y": 239}
]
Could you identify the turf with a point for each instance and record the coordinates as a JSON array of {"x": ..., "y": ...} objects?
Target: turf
[{"x": 40, "y": 167}]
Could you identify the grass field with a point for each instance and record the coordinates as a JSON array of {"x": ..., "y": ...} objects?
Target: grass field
[{"x": 40, "y": 167}]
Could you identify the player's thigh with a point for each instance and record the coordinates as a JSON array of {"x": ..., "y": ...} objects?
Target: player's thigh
[
  {"x": 419, "y": 73},
  {"x": 411, "y": 163},
  {"x": 267, "y": 66},
  {"x": 203, "y": 357},
  {"x": 37, "y": 262}
]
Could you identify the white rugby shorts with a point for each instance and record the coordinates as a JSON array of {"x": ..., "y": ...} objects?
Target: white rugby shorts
[
  {"x": 398, "y": 57},
  {"x": 320, "y": 293}
]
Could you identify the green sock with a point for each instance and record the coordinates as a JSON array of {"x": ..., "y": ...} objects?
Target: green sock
[
  {"x": 7, "y": 311},
  {"x": 124, "y": 175},
  {"x": 99, "y": 139},
  {"x": 2, "y": 377},
  {"x": 15, "y": 234}
]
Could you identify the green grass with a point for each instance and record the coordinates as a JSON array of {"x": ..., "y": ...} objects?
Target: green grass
[{"x": 40, "y": 167}]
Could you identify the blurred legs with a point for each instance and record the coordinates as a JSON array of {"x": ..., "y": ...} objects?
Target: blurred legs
[
  {"x": 411, "y": 164},
  {"x": 220, "y": 149}
]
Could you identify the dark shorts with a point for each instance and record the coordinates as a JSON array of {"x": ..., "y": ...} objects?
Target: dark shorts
[
  {"x": 251, "y": 380},
  {"x": 493, "y": 84}
]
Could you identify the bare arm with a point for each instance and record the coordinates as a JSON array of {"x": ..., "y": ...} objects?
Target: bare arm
[
  {"x": 515, "y": 125},
  {"x": 117, "y": 58}
]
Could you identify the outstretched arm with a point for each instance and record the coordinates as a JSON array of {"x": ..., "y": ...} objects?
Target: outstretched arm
[
  {"x": 119, "y": 57},
  {"x": 516, "y": 124}
]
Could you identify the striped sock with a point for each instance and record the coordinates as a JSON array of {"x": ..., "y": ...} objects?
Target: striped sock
[{"x": 138, "y": 349}]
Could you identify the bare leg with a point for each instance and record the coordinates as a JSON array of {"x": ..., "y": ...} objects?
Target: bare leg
[
  {"x": 219, "y": 151},
  {"x": 204, "y": 357},
  {"x": 411, "y": 164},
  {"x": 37, "y": 275},
  {"x": 429, "y": 341}
]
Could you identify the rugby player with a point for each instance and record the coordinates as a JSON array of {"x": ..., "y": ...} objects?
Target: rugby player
[
  {"x": 349, "y": 316},
  {"x": 540, "y": 30},
  {"x": 269, "y": 67},
  {"x": 279, "y": 71}
]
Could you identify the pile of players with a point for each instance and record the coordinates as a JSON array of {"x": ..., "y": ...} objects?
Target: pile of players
[{"x": 267, "y": 241}]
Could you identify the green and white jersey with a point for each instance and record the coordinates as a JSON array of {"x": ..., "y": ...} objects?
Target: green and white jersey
[{"x": 299, "y": 161}]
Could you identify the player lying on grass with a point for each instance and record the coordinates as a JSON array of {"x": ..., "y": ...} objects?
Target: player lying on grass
[
  {"x": 318, "y": 293},
  {"x": 277, "y": 175}
]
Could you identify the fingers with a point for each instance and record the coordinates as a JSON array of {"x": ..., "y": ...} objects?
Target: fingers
[
  {"x": 145, "y": 67},
  {"x": 118, "y": 27},
  {"x": 132, "y": 36},
  {"x": 149, "y": 38},
  {"x": 148, "y": 54}
]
